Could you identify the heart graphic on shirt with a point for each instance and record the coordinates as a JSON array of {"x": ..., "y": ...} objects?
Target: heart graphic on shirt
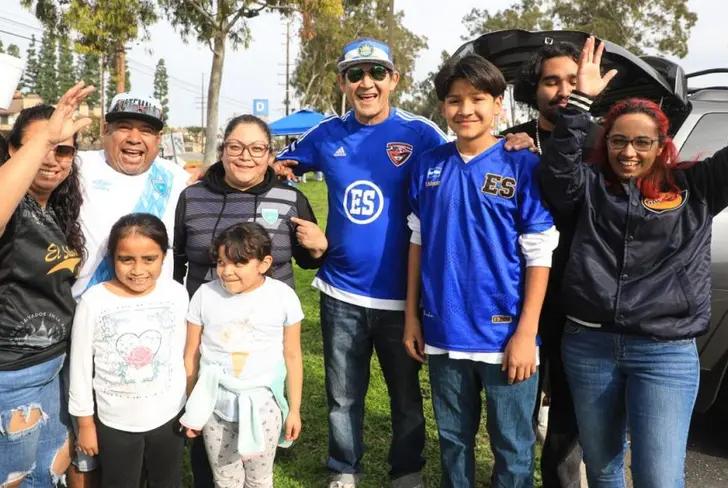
[{"x": 139, "y": 350}]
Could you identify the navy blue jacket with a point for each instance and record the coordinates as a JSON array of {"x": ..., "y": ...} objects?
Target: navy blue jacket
[{"x": 634, "y": 268}]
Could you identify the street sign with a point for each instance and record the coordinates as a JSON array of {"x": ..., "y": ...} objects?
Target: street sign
[{"x": 260, "y": 107}]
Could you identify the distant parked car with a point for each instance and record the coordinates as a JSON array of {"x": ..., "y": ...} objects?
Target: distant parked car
[{"x": 699, "y": 125}]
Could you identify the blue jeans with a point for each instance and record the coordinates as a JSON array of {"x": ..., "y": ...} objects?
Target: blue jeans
[
  {"x": 631, "y": 383},
  {"x": 456, "y": 398},
  {"x": 350, "y": 333},
  {"x": 32, "y": 450}
]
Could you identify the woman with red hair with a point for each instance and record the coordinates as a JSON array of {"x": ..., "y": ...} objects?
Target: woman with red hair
[{"x": 637, "y": 285}]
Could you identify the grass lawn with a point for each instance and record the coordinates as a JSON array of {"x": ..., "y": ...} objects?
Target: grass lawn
[{"x": 303, "y": 465}]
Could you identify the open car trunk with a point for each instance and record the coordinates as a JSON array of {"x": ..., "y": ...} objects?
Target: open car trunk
[{"x": 647, "y": 77}]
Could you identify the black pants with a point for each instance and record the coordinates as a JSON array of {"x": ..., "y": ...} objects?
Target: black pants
[
  {"x": 201, "y": 471},
  {"x": 125, "y": 456},
  {"x": 561, "y": 454}
]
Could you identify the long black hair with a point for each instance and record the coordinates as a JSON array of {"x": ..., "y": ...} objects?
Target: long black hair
[{"x": 66, "y": 199}]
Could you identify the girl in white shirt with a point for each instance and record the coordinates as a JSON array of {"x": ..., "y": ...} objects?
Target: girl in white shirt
[
  {"x": 243, "y": 345},
  {"x": 127, "y": 346}
]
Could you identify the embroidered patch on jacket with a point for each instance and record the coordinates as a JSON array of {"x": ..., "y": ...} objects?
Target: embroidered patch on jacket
[
  {"x": 432, "y": 178},
  {"x": 399, "y": 152},
  {"x": 501, "y": 319},
  {"x": 500, "y": 186},
  {"x": 270, "y": 215},
  {"x": 660, "y": 205}
]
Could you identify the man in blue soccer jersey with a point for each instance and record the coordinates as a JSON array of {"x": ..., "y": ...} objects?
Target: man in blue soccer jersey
[
  {"x": 366, "y": 156},
  {"x": 480, "y": 254}
]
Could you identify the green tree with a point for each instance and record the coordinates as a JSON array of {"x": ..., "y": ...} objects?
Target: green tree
[
  {"x": 66, "y": 68},
  {"x": 101, "y": 26},
  {"x": 112, "y": 83},
  {"x": 314, "y": 78},
  {"x": 29, "y": 82},
  {"x": 423, "y": 100},
  {"x": 217, "y": 23},
  {"x": 2, "y": 48},
  {"x": 88, "y": 71},
  {"x": 161, "y": 87},
  {"x": 663, "y": 25},
  {"x": 13, "y": 50},
  {"x": 47, "y": 81}
]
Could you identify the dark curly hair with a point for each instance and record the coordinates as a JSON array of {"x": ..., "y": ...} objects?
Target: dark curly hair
[
  {"x": 66, "y": 199},
  {"x": 524, "y": 90}
]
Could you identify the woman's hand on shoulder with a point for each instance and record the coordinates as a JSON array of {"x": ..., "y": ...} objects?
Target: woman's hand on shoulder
[{"x": 589, "y": 79}]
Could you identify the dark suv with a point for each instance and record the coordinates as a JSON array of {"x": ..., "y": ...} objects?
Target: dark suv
[{"x": 699, "y": 125}]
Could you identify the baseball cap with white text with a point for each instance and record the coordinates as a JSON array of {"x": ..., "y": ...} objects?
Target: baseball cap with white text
[{"x": 135, "y": 106}]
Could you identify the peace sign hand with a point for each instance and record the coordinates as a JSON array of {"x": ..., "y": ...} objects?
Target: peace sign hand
[{"x": 589, "y": 79}]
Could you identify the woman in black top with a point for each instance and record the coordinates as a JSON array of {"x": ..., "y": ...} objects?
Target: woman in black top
[
  {"x": 41, "y": 245},
  {"x": 636, "y": 289}
]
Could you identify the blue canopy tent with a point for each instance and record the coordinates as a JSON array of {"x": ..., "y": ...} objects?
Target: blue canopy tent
[{"x": 295, "y": 124}]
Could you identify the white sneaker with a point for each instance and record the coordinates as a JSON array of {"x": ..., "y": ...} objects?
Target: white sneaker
[{"x": 341, "y": 484}]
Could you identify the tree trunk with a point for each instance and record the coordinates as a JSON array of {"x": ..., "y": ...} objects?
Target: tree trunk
[
  {"x": 213, "y": 98},
  {"x": 120, "y": 59}
]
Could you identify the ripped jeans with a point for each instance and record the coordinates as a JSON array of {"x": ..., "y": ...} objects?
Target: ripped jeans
[{"x": 33, "y": 425}]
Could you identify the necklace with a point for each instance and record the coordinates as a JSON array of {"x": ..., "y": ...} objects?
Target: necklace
[{"x": 538, "y": 138}]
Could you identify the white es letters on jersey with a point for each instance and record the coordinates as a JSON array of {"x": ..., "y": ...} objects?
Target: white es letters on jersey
[{"x": 363, "y": 202}]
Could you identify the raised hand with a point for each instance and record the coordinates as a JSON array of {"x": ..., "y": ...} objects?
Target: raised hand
[
  {"x": 589, "y": 79},
  {"x": 61, "y": 125}
]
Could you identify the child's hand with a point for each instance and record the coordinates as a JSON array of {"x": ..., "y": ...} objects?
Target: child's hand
[
  {"x": 87, "y": 442},
  {"x": 293, "y": 425},
  {"x": 192, "y": 433},
  {"x": 412, "y": 338},
  {"x": 519, "y": 358}
]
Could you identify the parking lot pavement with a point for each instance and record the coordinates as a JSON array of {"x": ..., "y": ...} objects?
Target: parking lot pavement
[{"x": 707, "y": 459}]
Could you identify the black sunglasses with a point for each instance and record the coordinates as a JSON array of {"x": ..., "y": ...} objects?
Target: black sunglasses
[
  {"x": 64, "y": 153},
  {"x": 377, "y": 72}
]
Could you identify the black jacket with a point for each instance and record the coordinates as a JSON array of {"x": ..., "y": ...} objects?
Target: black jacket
[
  {"x": 207, "y": 208},
  {"x": 634, "y": 268}
]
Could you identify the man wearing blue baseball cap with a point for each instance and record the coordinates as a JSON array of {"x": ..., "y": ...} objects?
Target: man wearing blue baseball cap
[{"x": 366, "y": 156}]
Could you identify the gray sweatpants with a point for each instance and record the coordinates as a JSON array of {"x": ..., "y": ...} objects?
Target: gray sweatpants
[{"x": 229, "y": 468}]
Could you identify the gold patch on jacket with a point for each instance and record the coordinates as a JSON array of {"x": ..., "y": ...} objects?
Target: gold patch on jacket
[{"x": 666, "y": 202}]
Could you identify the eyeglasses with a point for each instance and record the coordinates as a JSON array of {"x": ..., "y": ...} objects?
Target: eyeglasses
[
  {"x": 640, "y": 144},
  {"x": 255, "y": 149},
  {"x": 63, "y": 153},
  {"x": 377, "y": 72}
]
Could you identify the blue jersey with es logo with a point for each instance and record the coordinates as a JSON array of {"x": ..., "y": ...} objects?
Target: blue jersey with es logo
[
  {"x": 471, "y": 216},
  {"x": 367, "y": 170}
]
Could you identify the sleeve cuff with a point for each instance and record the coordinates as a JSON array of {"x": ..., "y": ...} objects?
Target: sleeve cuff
[{"x": 580, "y": 100}]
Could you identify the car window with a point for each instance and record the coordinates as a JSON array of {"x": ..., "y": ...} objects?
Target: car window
[{"x": 708, "y": 136}]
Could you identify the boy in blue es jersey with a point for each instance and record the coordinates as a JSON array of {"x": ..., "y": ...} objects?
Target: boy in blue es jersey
[
  {"x": 367, "y": 156},
  {"x": 479, "y": 254}
]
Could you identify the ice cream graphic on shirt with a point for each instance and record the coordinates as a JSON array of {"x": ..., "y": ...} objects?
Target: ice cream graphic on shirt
[{"x": 238, "y": 336}]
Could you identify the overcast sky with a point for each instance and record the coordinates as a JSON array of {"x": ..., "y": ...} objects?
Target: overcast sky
[{"x": 258, "y": 71}]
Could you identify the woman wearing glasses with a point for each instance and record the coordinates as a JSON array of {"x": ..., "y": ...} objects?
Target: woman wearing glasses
[
  {"x": 41, "y": 246},
  {"x": 637, "y": 284},
  {"x": 241, "y": 187}
]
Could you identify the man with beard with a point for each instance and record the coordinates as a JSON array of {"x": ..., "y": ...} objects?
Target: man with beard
[{"x": 545, "y": 83}]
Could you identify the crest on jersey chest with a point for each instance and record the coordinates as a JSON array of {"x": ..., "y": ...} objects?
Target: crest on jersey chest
[{"x": 399, "y": 152}]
